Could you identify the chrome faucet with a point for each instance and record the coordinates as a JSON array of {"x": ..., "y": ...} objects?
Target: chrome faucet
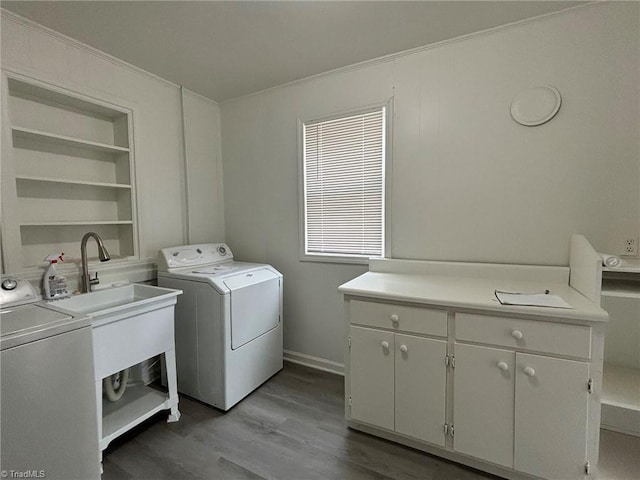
[{"x": 103, "y": 255}]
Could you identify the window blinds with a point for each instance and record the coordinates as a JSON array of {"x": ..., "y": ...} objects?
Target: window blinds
[{"x": 344, "y": 185}]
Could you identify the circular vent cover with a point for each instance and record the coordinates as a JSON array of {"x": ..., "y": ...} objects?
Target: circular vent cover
[{"x": 536, "y": 106}]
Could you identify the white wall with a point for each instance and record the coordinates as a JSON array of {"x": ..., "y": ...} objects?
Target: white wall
[
  {"x": 32, "y": 50},
  {"x": 203, "y": 169},
  {"x": 259, "y": 151},
  {"x": 468, "y": 183}
]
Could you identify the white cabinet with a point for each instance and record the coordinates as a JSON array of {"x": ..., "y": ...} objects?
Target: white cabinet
[
  {"x": 507, "y": 394},
  {"x": 483, "y": 403},
  {"x": 533, "y": 408},
  {"x": 420, "y": 387},
  {"x": 372, "y": 377},
  {"x": 67, "y": 168},
  {"x": 397, "y": 381},
  {"x": 551, "y": 416}
]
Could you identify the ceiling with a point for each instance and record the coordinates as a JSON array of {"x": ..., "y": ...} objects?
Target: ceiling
[{"x": 226, "y": 49}]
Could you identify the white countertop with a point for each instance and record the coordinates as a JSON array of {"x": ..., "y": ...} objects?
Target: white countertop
[{"x": 470, "y": 293}]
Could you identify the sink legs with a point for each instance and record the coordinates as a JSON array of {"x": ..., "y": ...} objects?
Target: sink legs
[{"x": 172, "y": 384}]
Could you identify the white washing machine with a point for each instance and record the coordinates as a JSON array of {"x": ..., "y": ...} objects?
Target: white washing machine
[
  {"x": 228, "y": 324},
  {"x": 48, "y": 415}
]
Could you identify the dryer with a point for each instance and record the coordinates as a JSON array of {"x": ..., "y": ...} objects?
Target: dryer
[{"x": 228, "y": 322}]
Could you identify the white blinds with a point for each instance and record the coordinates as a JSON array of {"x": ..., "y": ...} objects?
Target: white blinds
[{"x": 344, "y": 185}]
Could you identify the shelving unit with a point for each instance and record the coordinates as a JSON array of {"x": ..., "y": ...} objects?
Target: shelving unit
[
  {"x": 68, "y": 168},
  {"x": 70, "y": 182},
  {"x": 621, "y": 392},
  {"x": 137, "y": 404},
  {"x": 36, "y": 135}
]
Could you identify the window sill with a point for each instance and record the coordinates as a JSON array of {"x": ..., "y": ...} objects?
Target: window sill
[{"x": 338, "y": 259}]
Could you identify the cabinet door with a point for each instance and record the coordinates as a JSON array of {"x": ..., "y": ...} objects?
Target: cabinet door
[
  {"x": 483, "y": 403},
  {"x": 371, "y": 376},
  {"x": 420, "y": 387},
  {"x": 551, "y": 416}
]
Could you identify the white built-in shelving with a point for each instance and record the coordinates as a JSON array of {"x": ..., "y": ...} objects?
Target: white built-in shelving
[
  {"x": 46, "y": 137},
  {"x": 67, "y": 168},
  {"x": 621, "y": 392}
]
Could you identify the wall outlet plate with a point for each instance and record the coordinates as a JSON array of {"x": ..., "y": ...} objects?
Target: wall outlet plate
[{"x": 630, "y": 246}]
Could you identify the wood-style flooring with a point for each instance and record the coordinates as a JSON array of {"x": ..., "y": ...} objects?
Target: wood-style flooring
[{"x": 291, "y": 428}]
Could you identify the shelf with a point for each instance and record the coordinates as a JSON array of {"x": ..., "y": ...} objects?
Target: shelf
[
  {"x": 31, "y": 134},
  {"x": 629, "y": 265},
  {"x": 79, "y": 223},
  {"x": 28, "y": 90},
  {"x": 138, "y": 403},
  {"x": 621, "y": 399},
  {"x": 72, "y": 182},
  {"x": 629, "y": 291},
  {"x": 70, "y": 159}
]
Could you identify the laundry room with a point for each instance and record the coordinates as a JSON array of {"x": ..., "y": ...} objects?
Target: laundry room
[{"x": 364, "y": 196}]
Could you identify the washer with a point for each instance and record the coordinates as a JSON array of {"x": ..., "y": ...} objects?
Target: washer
[
  {"x": 48, "y": 415},
  {"x": 228, "y": 322}
]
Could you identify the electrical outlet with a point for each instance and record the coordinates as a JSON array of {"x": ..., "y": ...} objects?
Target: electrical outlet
[{"x": 630, "y": 246}]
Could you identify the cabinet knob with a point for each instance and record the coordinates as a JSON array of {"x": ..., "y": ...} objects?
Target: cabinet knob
[
  {"x": 404, "y": 349},
  {"x": 503, "y": 366},
  {"x": 385, "y": 345},
  {"x": 530, "y": 372},
  {"x": 394, "y": 318},
  {"x": 517, "y": 334}
]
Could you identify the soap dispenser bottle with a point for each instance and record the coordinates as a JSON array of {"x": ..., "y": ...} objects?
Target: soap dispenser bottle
[{"x": 55, "y": 285}]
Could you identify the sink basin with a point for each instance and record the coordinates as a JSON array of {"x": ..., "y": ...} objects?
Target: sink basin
[{"x": 114, "y": 303}]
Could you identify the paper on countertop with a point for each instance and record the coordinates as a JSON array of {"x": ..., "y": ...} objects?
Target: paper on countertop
[{"x": 531, "y": 299}]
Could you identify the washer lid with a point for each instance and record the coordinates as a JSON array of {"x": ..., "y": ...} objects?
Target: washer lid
[
  {"x": 241, "y": 280},
  {"x": 28, "y": 323}
]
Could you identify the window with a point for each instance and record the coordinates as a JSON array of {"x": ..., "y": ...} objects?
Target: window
[{"x": 343, "y": 179}]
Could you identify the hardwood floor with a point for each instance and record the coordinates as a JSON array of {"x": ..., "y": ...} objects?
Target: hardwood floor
[{"x": 292, "y": 427}]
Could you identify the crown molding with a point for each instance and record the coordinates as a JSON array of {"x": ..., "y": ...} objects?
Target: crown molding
[
  {"x": 356, "y": 66},
  {"x": 393, "y": 56},
  {"x": 4, "y": 13}
]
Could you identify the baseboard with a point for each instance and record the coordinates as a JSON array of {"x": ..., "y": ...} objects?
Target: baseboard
[
  {"x": 620, "y": 419},
  {"x": 314, "y": 362}
]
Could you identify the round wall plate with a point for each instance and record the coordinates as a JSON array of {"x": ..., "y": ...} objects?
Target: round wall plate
[{"x": 536, "y": 106}]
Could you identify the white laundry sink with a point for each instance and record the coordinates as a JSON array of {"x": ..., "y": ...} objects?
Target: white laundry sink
[
  {"x": 130, "y": 324},
  {"x": 113, "y": 304}
]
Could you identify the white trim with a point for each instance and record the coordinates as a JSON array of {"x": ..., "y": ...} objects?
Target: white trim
[
  {"x": 393, "y": 56},
  {"x": 334, "y": 258},
  {"x": 356, "y": 66},
  {"x": 186, "y": 226},
  {"x": 316, "y": 363},
  {"x": 200, "y": 96},
  {"x": 386, "y": 182}
]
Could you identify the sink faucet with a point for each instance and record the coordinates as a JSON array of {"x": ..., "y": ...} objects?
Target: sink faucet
[{"x": 103, "y": 255}]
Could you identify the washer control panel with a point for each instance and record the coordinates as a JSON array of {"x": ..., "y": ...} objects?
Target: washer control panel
[
  {"x": 15, "y": 292},
  {"x": 193, "y": 256}
]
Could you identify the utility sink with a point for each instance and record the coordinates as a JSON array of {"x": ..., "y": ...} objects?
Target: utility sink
[
  {"x": 113, "y": 304},
  {"x": 130, "y": 324}
]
